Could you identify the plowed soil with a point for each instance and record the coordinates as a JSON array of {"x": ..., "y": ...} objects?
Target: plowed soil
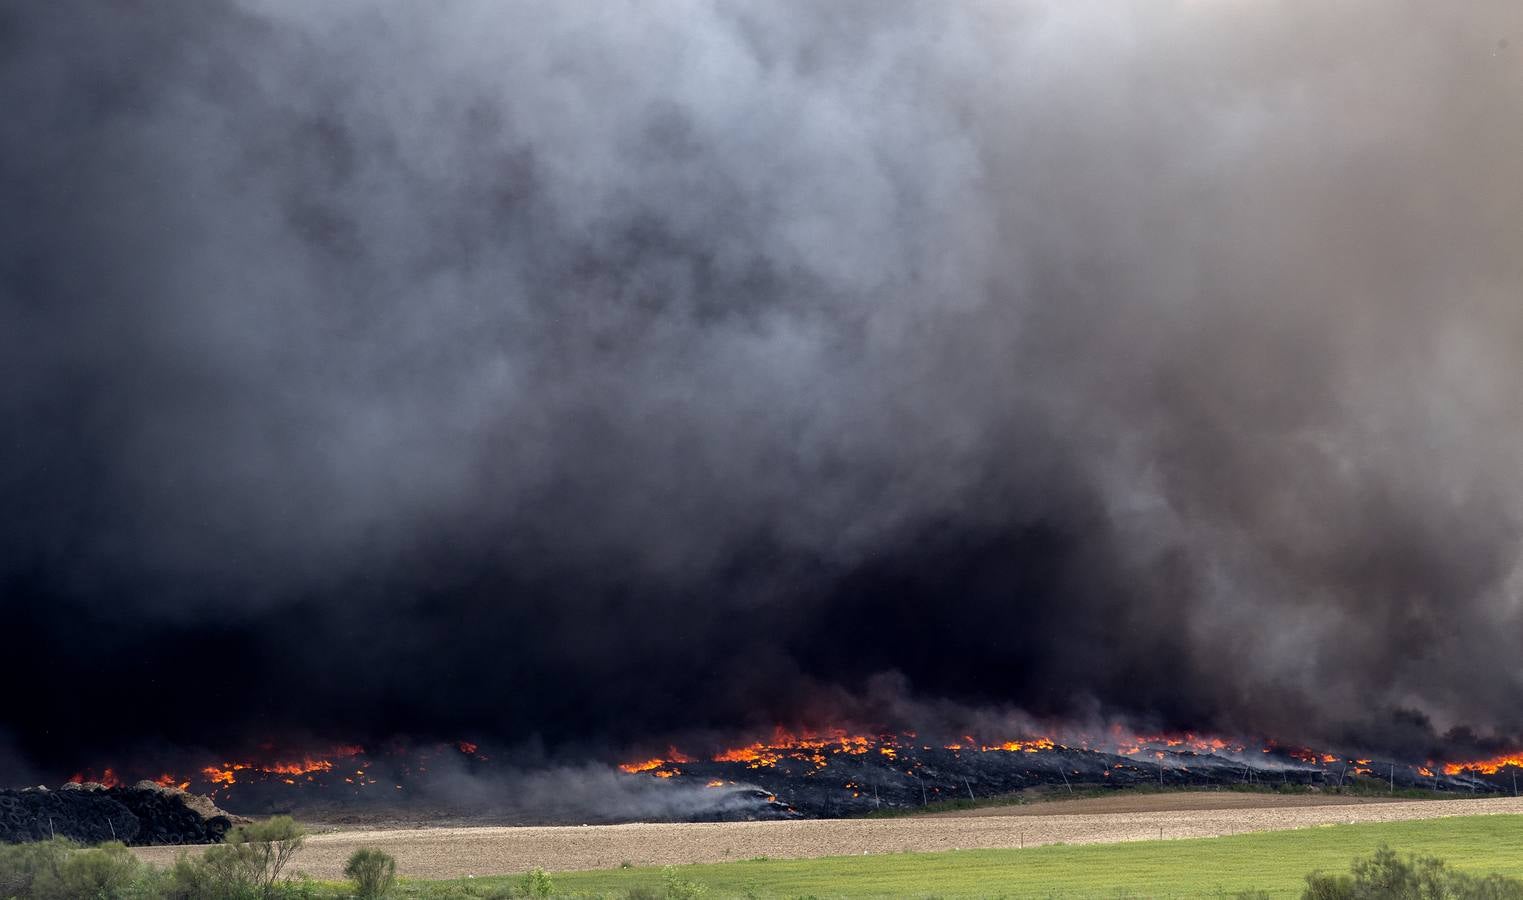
[
  {"x": 460, "y": 852},
  {"x": 1137, "y": 802}
]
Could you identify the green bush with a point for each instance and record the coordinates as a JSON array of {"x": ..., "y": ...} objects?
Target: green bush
[
  {"x": 22, "y": 864},
  {"x": 536, "y": 883},
  {"x": 253, "y": 856},
  {"x": 373, "y": 872},
  {"x": 191, "y": 878},
  {"x": 1387, "y": 876},
  {"x": 107, "y": 872},
  {"x": 247, "y": 867},
  {"x": 679, "y": 888}
]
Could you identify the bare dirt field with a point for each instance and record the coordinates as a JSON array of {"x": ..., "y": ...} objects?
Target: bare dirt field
[
  {"x": 459, "y": 852},
  {"x": 1163, "y": 802}
]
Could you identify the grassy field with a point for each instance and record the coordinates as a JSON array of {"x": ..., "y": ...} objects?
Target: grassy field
[{"x": 1271, "y": 861}]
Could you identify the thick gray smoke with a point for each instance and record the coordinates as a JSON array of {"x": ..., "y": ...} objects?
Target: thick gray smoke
[{"x": 519, "y": 366}]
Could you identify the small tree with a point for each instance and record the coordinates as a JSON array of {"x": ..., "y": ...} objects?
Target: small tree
[
  {"x": 255, "y": 855},
  {"x": 373, "y": 872}
]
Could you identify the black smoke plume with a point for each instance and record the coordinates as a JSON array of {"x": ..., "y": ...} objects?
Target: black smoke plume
[{"x": 584, "y": 373}]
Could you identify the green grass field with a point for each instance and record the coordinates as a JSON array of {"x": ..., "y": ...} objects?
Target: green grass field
[{"x": 1213, "y": 867}]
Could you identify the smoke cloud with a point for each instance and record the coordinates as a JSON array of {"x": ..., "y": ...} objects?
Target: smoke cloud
[{"x": 588, "y": 373}]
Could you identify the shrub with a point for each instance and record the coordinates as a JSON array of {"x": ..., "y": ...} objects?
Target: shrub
[
  {"x": 250, "y": 862},
  {"x": 373, "y": 872},
  {"x": 536, "y": 883},
  {"x": 21, "y": 864},
  {"x": 679, "y": 888},
  {"x": 1386, "y": 876},
  {"x": 192, "y": 878},
  {"x": 108, "y": 872}
]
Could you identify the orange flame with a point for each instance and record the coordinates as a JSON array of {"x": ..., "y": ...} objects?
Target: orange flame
[
  {"x": 1484, "y": 766},
  {"x": 816, "y": 747},
  {"x": 107, "y": 778}
]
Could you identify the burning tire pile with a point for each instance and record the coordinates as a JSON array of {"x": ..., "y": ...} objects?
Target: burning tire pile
[
  {"x": 829, "y": 774},
  {"x": 835, "y": 775},
  {"x": 142, "y": 815}
]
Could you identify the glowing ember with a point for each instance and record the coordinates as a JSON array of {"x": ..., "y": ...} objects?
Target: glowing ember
[
  {"x": 1036, "y": 746},
  {"x": 816, "y": 748},
  {"x": 1311, "y": 757},
  {"x": 299, "y": 768}
]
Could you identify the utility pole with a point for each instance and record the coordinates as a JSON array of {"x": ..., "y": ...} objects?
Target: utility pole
[{"x": 1393, "y": 778}]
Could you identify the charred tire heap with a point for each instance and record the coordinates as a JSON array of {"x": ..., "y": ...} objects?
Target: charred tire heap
[{"x": 141, "y": 815}]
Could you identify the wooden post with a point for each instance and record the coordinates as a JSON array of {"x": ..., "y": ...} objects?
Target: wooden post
[
  {"x": 970, "y": 789},
  {"x": 1393, "y": 778}
]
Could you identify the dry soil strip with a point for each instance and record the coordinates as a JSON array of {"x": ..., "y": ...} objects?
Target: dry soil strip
[
  {"x": 1130, "y": 802},
  {"x": 459, "y": 852}
]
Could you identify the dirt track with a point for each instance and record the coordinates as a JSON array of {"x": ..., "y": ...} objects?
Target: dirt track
[
  {"x": 1126, "y": 802},
  {"x": 458, "y": 852}
]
